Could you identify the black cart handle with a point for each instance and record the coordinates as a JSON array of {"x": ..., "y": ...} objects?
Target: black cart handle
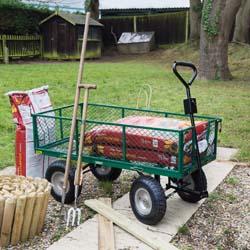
[{"x": 185, "y": 64}]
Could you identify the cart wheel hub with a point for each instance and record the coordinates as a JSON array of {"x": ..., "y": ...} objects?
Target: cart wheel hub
[
  {"x": 143, "y": 201},
  {"x": 57, "y": 181},
  {"x": 103, "y": 170}
]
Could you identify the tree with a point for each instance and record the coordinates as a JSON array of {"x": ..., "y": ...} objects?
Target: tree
[
  {"x": 242, "y": 23},
  {"x": 10, "y": 2},
  {"x": 216, "y": 24},
  {"x": 93, "y": 7},
  {"x": 195, "y": 20}
]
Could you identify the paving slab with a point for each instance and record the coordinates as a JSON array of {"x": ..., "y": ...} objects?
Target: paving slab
[
  {"x": 8, "y": 171},
  {"x": 178, "y": 212}
]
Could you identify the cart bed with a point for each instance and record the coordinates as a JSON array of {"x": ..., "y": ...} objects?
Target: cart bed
[{"x": 52, "y": 129}]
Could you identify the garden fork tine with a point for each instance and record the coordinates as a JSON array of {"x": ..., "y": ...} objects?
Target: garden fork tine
[
  {"x": 72, "y": 212},
  {"x": 77, "y": 98}
]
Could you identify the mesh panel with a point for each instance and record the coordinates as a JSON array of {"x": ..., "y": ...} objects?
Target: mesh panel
[{"x": 127, "y": 135}]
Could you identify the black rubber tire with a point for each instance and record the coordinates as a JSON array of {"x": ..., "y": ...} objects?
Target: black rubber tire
[
  {"x": 110, "y": 175},
  {"x": 58, "y": 167},
  {"x": 195, "y": 185},
  {"x": 154, "y": 191}
]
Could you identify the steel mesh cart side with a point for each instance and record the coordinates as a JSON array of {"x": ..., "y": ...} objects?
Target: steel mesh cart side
[{"x": 51, "y": 138}]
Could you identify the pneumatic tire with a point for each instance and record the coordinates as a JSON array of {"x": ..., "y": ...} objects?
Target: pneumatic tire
[
  {"x": 55, "y": 175},
  {"x": 147, "y": 199},
  {"x": 105, "y": 173},
  {"x": 193, "y": 182}
]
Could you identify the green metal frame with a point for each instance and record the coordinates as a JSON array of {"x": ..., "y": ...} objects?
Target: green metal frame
[{"x": 178, "y": 173}]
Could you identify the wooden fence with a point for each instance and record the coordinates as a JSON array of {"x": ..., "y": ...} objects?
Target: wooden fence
[
  {"x": 168, "y": 27},
  {"x": 14, "y": 46}
]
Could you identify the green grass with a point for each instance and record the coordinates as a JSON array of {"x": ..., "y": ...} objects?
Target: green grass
[
  {"x": 106, "y": 186},
  {"x": 118, "y": 83},
  {"x": 183, "y": 230},
  {"x": 233, "y": 180}
]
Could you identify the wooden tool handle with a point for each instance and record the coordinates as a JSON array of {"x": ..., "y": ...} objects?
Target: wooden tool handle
[
  {"x": 75, "y": 111},
  {"x": 88, "y": 86}
]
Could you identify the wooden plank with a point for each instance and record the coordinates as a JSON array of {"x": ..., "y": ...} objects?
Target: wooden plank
[
  {"x": 130, "y": 226},
  {"x": 106, "y": 238}
]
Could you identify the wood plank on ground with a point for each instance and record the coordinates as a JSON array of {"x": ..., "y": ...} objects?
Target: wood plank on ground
[
  {"x": 130, "y": 226},
  {"x": 106, "y": 239}
]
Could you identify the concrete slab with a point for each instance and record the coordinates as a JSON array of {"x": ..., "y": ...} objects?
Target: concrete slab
[
  {"x": 8, "y": 171},
  {"x": 178, "y": 213},
  {"x": 226, "y": 154}
]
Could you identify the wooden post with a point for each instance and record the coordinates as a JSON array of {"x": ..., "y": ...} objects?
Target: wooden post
[
  {"x": 36, "y": 214},
  {"x": 30, "y": 201},
  {"x": 18, "y": 220},
  {"x": 41, "y": 47},
  {"x": 2, "y": 201},
  {"x": 5, "y": 51},
  {"x": 3, "y": 42},
  {"x": 8, "y": 216},
  {"x": 43, "y": 209},
  {"x": 135, "y": 24},
  {"x": 187, "y": 27}
]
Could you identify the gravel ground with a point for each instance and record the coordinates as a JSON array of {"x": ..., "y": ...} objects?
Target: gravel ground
[
  {"x": 221, "y": 223},
  {"x": 223, "y": 220}
]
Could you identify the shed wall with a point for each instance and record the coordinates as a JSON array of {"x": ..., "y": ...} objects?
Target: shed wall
[
  {"x": 59, "y": 37},
  {"x": 63, "y": 40}
]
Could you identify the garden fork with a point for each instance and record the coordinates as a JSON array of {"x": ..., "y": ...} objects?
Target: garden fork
[{"x": 75, "y": 111}]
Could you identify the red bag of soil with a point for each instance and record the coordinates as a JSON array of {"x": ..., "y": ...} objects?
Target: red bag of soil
[
  {"x": 150, "y": 138},
  {"x": 134, "y": 154}
]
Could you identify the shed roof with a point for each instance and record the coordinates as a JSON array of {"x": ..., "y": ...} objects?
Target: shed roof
[
  {"x": 72, "y": 18},
  {"x": 143, "y": 4}
]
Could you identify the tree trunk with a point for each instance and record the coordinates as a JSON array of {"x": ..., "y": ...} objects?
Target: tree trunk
[
  {"x": 217, "y": 21},
  {"x": 195, "y": 20},
  {"x": 242, "y": 23},
  {"x": 94, "y": 9}
]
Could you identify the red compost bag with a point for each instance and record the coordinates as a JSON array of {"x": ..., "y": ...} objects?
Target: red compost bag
[
  {"x": 137, "y": 154},
  {"x": 23, "y": 104},
  {"x": 151, "y": 139}
]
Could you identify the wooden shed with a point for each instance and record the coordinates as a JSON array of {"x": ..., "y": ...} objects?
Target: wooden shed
[
  {"x": 62, "y": 34},
  {"x": 136, "y": 42}
]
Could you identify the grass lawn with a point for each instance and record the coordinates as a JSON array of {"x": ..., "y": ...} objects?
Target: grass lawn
[{"x": 119, "y": 81}]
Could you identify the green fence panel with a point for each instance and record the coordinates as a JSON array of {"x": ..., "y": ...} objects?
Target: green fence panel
[{"x": 21, "y": 45}]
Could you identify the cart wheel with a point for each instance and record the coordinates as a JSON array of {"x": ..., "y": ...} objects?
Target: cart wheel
[
  {"x": 105, "y": 173},
  {"x": 148, "y": 200},
  {"x": 194, "y": 183},
  {"x": 55, "y": 175}
]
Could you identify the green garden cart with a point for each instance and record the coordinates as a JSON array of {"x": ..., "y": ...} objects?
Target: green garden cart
[{"x": 151, "y": 142}]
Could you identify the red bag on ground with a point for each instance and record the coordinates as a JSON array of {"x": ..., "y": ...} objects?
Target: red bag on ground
[{"x": 23, "y": 104}]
